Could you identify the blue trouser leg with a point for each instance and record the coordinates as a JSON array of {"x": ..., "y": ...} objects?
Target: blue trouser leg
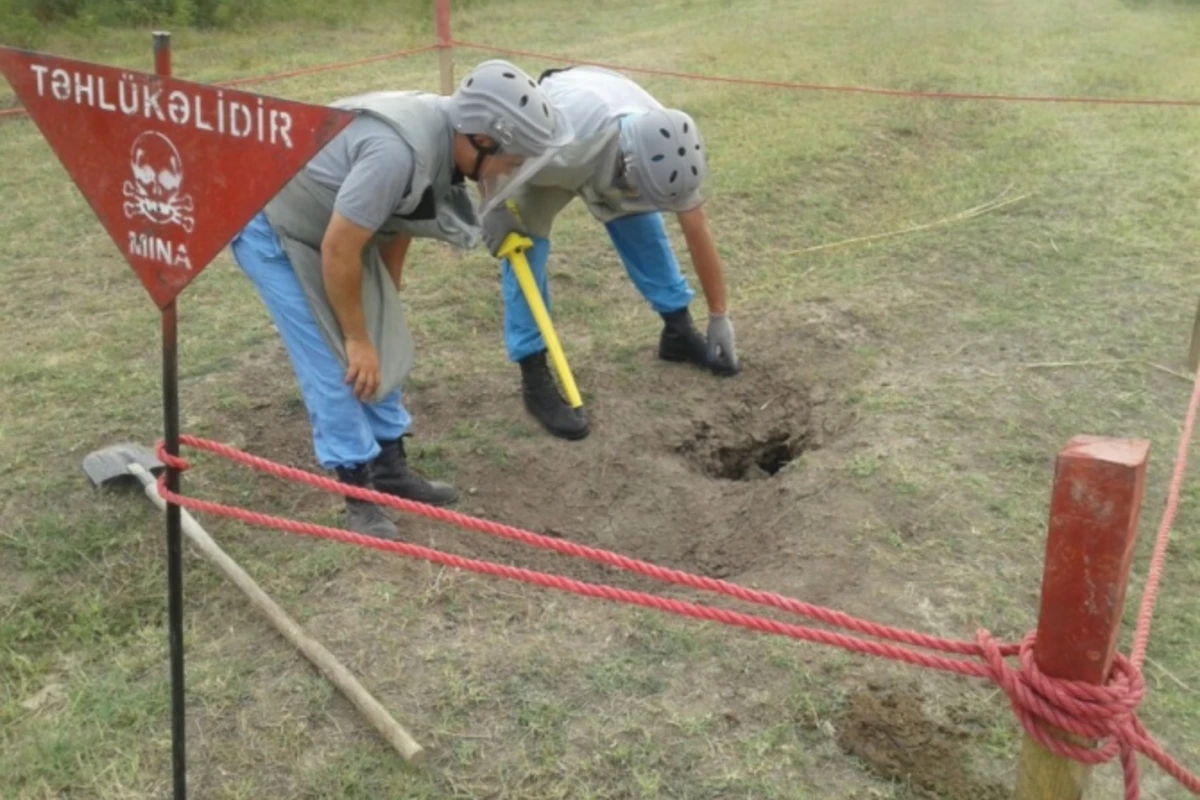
[
  {"x": 641, "y": 241},
  {"x": 345, "y": 430},
  {"x": 521, "y": 335}
]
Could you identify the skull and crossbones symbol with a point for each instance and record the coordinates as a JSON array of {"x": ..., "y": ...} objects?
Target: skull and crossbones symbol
[{"x": 158, "y": 174}]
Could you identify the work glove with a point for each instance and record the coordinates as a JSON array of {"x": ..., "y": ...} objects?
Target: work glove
[
  {"x": 497, "y": 225},
  {"x": 722, "y": 347}
]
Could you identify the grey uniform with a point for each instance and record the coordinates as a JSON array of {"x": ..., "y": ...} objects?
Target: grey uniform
[
  {"x": 369, "y": 166},
  {"x": 394, "y": 175},
  {"x": 594, "y": 100}
]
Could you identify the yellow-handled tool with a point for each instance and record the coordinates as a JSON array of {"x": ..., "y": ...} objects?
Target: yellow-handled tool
[{"x": 513, "y": 249}]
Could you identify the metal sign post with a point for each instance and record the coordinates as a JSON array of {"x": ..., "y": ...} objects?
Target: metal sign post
[{"x": 173, "y": 170}]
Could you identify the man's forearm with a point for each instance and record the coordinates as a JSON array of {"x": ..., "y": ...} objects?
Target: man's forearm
[
  {"x": 705, "y": 259},
  {"x": 342, "y": 276},
  {"x": 394, "y": 253}
]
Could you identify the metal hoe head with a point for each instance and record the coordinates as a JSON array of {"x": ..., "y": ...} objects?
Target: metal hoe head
[{"x": 111, "y": 464}]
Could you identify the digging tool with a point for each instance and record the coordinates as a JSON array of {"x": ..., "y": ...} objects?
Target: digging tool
[
  {"x": 513, "y": 249},
  {"x": 120, "y": 463}
]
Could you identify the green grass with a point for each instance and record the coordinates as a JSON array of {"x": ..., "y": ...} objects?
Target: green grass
[{"x": 940, "y": 488}]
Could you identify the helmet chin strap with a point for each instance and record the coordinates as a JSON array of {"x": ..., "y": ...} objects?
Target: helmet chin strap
[{"x": 481, "y": 152}]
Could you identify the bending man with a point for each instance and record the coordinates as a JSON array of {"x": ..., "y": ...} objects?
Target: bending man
[
  {"x": 327, "y": 253},
  {"x": 631, "y": 160}
]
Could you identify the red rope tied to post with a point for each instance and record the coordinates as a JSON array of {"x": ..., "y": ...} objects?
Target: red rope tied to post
[
  {"x": 1106, "y": 714},
  {"x": 1103, "y": 713}
]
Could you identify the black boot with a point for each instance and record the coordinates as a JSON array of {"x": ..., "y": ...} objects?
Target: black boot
[
  {"x": 681, "y": 342},
  {"x": 362, "y": 517},
  {"x": 390, "y": 473},
  {"x": 544, "y": 402}
]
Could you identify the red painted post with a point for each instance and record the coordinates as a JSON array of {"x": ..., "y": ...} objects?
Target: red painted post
[
  {"x": 1097, "y": 496},
  {"x": 445, "y": 45}
]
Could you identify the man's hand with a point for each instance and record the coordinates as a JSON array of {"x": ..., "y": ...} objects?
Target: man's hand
[
  {"x": 722, "y": 346},
  {"x": 363, "y": 373},
  {"x": 497, "y": 225}
]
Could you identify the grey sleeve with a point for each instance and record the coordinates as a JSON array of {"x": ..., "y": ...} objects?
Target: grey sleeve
[{"x": 381, "y": 170}]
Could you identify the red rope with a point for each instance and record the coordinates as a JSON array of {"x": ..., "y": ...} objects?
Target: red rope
[
  {"x": 328, "y": 67},
  {"x": 1107, "y": 713},
  {"x": 819, "y": 87},
  {"x": 682, "y": 608},
  {"x": 644, "y": 568},
  {"x": 1141, "y": 635},
  {"x": 278, "y": 76}
]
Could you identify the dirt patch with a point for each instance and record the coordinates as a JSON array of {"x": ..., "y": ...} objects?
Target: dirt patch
[
  {"x": 682, "y": 468},
  {"x": 749, "y": 443},
  {"x": 890, "y": 732},
  {"x": 665, "y": 476}
]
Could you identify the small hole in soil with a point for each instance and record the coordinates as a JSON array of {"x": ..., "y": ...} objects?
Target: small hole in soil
[
  {"x": 755, "y": 459},
  {"x": 754, "y": 439}
]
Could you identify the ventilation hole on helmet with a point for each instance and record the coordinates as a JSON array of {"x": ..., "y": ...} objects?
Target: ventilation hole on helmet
[
  {"x": 695, "y": 171},
  {"x": 545, "y": 109},
  {"x": 470, "y": 81},
  {"x": 532, "y": 84},
  {"x": 658, "y": 158},
  {"x": 509, "y": 75},
  {"x": 666, "y": 133},
  {"x": 683, "y": 151},
  {"x": 524, "y": 100},
  {"x": 697, "y": 147},
  {"x": 685, "y": 127},
  {"x": 674, "y": 175}
]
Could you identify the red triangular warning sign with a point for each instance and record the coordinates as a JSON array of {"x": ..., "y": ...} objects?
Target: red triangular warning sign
[{"x": 173, "y": 169}]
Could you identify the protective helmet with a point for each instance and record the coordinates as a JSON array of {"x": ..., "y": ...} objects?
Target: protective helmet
[
  {"x": 664, "y": 158},
  {"x": 498, "y": 99}
]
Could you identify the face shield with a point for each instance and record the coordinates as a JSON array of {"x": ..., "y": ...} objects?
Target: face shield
[{"x": 496, "y": 190}]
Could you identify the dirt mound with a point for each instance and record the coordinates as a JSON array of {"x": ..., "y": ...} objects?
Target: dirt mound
[{"x": 890, "y": 732}]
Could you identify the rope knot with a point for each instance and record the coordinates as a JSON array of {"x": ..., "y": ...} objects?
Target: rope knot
[
  {"x": 176, "y": 462},
  {"x": 1104, "y": 714}
]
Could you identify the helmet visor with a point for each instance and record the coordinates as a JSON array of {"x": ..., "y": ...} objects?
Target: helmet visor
[{"x": 496, "y": 190}]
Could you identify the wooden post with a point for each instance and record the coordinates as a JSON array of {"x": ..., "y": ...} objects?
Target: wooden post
[
  {"x": 445, "y": 45},
  {"x": 1194, "y": 352},
  {"x": 1098, "y": 486}
]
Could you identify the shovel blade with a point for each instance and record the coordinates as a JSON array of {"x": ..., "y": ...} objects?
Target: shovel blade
[{"x": 111, "y": 464}]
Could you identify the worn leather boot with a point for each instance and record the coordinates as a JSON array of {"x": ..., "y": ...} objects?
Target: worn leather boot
[
  {"x": 391, "y": 474},
  {"x": 681, "y": 342},
  {"x": 362, "y": 517},
  {"x": 543, "y": 401}
]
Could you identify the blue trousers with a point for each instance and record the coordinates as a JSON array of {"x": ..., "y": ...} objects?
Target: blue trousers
[
  {"x": 345, "y": 431},
  {"x": 641, "y": 241}
]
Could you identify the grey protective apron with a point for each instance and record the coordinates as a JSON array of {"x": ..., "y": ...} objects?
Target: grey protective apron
[
  {"x": 594, "y": 178},
  {"x": 587, "y": 169},
  {"x": 436, "y": 207}
]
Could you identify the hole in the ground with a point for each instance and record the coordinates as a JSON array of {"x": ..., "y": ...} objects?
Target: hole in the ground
[
  {"x": 743, "y": 455},
  {"x": 755, "y": 459},
  {"x": 755, "y": 435}
]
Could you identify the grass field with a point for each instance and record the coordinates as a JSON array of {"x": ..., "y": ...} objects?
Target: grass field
[{"x": 902, "y": 364}]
